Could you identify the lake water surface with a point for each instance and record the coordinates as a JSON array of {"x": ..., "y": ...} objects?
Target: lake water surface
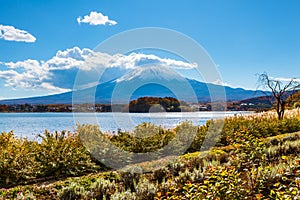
[{"x": 31, "y": 124}]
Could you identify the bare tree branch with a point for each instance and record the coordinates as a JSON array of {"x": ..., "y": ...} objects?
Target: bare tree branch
[{"x": 279, "y": 91}]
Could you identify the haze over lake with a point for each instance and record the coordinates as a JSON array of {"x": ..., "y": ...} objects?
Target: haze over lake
[{"x": 31, "y": 124}]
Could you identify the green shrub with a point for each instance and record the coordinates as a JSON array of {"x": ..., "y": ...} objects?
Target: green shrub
[
  {"x": 63, "y": 154},
  {"x": 17, "y": 159},
  {"x": 58, "y": 154}
]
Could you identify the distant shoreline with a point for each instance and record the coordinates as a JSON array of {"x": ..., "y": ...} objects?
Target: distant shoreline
[{"x": 103, "y": 108}]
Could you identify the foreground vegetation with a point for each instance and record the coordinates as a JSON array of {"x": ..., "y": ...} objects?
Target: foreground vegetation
[{"x": 254, "y": 157}]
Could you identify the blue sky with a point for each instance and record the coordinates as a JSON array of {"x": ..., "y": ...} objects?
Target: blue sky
[{"x": 243, "y": 37}]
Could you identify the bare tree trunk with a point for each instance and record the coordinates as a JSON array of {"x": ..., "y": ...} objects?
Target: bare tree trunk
[
  {"x": 278, "y": 109},
  {"x": 282, "y": 109}
]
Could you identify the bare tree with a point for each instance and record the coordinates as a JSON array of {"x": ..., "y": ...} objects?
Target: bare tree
[{"x": 280, "y": 89}]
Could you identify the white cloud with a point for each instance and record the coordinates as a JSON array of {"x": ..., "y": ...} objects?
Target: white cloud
[
  {"x": 57, "y": 74},
  {"x": 95, "y": 18},
  {"x": 30, "y": 75},
  {"x": 10, "y": 33},
  {"x": 85, "y": 59},
  {"x": 53, "y": 89},
  {"x": 70, "y": 58},
  {"x": 286, "y": 79},
  {"x": 140, "y": 59},
  {"x": 75, "y": 53},
  {"x": 220, "y": 82},
  {"x": 135, "y": 60}
]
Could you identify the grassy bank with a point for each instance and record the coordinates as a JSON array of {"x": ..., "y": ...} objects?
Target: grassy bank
[{"x": 254, "y": 157}]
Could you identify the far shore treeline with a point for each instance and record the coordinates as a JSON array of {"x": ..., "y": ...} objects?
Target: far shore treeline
[{"x": 140, "y": 105}]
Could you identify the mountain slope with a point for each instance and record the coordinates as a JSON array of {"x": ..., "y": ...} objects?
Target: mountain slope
[{"x": 150, "y": 81}]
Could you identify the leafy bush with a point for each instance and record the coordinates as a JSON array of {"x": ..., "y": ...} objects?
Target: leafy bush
[
  {"x": 58, "y": 154},
  {"x": 17, "y": 159},
  {"x": 145, "y": 138},
  {"x": 63, "y": 154}
]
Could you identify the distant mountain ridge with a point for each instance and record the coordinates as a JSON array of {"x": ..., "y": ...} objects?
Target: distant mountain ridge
[{"x": 151, "y": 81}]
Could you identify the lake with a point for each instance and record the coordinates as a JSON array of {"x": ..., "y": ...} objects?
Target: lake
[{"x": 31, "y": 124}]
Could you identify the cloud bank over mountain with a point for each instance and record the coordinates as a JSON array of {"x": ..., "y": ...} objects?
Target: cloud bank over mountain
[{"x": 58, "y": 74}]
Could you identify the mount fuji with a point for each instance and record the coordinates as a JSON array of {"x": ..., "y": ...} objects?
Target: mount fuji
[{"x": 144, "y": 81}]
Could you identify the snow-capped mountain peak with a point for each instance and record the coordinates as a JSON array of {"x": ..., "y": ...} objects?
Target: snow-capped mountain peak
[{"x": 151, "y": 73}]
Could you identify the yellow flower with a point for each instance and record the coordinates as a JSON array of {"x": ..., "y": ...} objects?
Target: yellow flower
[{"x": 159, "y": 194}]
